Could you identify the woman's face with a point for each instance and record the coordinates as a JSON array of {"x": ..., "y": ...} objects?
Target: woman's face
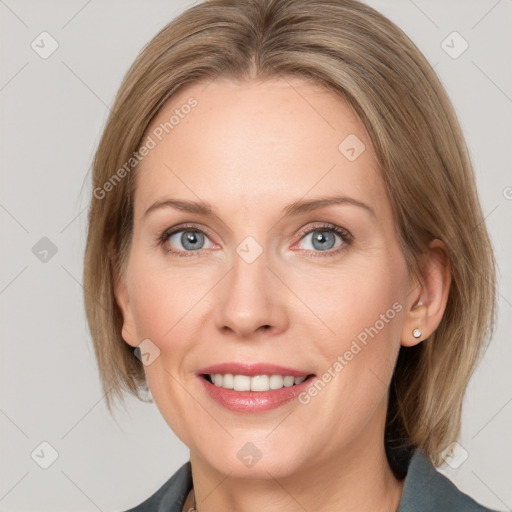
[{"x": 269, "y": 277}]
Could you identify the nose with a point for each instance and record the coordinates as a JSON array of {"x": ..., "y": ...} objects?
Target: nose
[{"x": 251, "y": 300}]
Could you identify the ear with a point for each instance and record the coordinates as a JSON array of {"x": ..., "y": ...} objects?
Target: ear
[
  {"x": 128, "y": 332},
  {"x": 426, "y": 299}
]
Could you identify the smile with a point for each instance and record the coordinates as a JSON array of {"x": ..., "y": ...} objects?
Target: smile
[
  {"x": 255, "y": 383},
  {"x": 253, "y": 388}
]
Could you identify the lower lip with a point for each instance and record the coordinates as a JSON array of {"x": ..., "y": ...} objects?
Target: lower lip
[{"x": 253, "y": 401}]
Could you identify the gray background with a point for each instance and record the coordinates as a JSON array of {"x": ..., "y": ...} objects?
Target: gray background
[{"x": 52, "y": 113}]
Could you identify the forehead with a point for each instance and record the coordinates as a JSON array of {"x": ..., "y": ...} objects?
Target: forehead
[{"x": 253, "y": 142}]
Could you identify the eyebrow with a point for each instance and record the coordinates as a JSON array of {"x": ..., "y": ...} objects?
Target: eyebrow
[
  {"x": 305, "y": 206},
  {"x": 296, "y": 208}
]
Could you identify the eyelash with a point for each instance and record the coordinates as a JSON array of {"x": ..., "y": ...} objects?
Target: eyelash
[{"x": 345, "y": 236}]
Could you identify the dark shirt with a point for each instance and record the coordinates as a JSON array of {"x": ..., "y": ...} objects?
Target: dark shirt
[{"x": 425, "y": 490}]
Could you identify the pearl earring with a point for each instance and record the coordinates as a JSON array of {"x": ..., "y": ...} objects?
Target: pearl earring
[{"x": 416, "y": 333}]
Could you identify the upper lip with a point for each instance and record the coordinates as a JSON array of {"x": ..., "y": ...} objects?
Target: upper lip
[{"x": 252, "y": 369}]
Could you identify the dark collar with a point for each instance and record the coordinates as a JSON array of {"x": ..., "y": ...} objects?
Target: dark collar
[{"x": 427, "y": 490}]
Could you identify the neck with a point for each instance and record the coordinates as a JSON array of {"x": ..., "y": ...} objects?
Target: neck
[{"x": 359, "y": 477}]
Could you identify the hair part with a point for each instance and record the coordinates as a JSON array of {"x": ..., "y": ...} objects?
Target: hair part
[{"x": 365, "y": 59}]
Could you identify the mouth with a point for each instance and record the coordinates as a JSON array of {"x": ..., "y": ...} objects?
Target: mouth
[{"x": 253, "y": 388}]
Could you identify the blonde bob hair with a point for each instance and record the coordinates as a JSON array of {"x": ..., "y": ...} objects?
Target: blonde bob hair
[{"x": 360, "y": 55}]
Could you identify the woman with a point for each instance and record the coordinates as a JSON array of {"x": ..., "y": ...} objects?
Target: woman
[{"x": 286, "y": 242}]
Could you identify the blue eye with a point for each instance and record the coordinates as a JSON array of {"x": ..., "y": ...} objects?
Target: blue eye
[
  {"x": 191, "y": 240},
  {"x": 323, "y": 239}
]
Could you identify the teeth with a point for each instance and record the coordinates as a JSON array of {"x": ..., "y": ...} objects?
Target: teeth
[
  {"x": 276, "y": 382},
  {"x": 240, "y": 382},
  {"x": 227, "y": 381},
  {"x": 255, "y": 383},
  {"x": 298, "y": 380},
  {"x": 288, "y": 381},
  {"x": 260, "y": 383}
]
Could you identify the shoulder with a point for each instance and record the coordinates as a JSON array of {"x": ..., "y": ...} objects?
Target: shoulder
[
  {"x": 427, "y": 490},
  {"x": 171, "y": 495}
]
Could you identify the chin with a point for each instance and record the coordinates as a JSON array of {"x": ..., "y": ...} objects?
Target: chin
[{"x": 254, "y": 455}]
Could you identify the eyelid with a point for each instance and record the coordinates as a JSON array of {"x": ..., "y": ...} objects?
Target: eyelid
[
  {"x": 187, "y": 226},
  {"x": 326, "y": 226}
]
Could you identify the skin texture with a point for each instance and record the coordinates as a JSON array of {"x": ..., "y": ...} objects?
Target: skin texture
[{"x": 249, "y": 148}]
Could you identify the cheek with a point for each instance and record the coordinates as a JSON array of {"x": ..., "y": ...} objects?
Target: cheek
[
  {"x": 353, "y": 298},
  {"x": 361, "y": 306},
  {"x": 162, "y": 299},
  {"x": 364, "y": 309}
]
